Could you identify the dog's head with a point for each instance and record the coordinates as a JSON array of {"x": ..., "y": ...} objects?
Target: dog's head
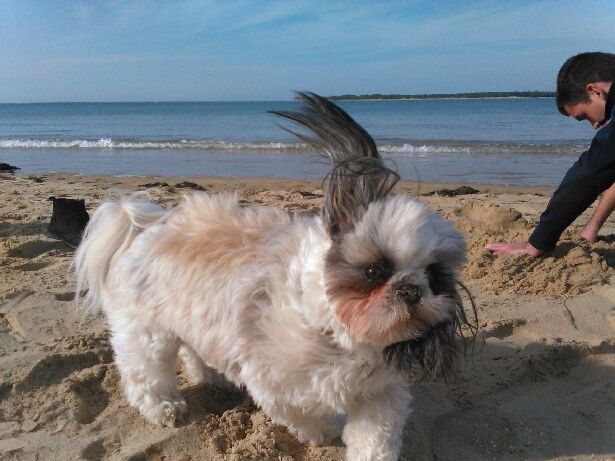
[
  {"x": 391, "y": 279},
  {"x": 390, "y": 273}
]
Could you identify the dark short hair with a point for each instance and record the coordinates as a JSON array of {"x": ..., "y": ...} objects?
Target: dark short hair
[{"x": 577, "y": 72}]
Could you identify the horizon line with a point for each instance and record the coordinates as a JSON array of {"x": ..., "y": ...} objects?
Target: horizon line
[{"x": 365, "y": 96}]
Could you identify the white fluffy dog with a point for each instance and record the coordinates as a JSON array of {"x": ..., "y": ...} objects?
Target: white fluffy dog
[{"x": 316, "y": 316}]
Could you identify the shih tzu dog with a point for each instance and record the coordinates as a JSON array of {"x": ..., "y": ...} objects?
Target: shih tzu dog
[{"x": 316, "y": 316}]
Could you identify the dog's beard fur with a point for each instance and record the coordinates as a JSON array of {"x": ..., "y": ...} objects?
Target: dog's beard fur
[
  {"x": 358, "y": 297},
  {"x": 436, "y": 350}
]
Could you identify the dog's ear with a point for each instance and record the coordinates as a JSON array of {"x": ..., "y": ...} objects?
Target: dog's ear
[{"x": 358, "y": 176}]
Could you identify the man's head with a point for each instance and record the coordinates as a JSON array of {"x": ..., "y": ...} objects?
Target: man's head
[{"x": 583, "y": 83}]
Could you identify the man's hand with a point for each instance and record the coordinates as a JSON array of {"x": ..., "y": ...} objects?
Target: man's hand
[
  {"x": 589, "y": 232},
  {"x": 503, "y": 248}
]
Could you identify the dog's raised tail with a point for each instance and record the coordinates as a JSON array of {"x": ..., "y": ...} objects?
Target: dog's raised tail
[
  {"x": 358, "y": 175},
  {"x": 110, "y": 231}
]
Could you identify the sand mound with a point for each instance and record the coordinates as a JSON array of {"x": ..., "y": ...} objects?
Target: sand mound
[
  {"x": 487, "y": 219},
  {"x": 571, "y": 269}
]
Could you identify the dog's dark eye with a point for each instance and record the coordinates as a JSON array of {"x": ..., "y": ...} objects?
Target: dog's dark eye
[
  {"x": 440, "y": 279},
  {"x": 378, "y": 272}
]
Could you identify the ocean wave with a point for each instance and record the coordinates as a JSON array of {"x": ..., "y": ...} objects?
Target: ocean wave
[
  {"x": 108, "y": 143},
  {"x": 422, "y": 149},
  {"x": 401, "y": 148},
  {"x": 478, "y": 148}
]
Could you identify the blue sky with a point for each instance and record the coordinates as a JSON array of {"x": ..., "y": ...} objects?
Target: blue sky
[{"x": 189, "y": 50}]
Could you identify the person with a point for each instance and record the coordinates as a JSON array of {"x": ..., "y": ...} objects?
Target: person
[{"x": 584, "y": 91}]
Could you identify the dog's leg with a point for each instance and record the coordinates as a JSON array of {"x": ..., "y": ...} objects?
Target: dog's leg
[
  {"x": 197, "y": 371},
  {"x": 146, "y": 359},
  {"x": 374, "y": 427},
  {"x": 307, "y": 428}
]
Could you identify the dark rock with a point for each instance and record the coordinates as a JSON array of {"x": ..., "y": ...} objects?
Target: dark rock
[
  {"x": 463, "y": 190},
  {"x": 68, "y": 220},
  {"x": 189, "y": 185},
  {"x": 6, "y": 168},
  {"x": 154, "y": 184}
]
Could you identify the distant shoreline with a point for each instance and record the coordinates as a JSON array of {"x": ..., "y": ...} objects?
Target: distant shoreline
[
  {"x": 479, "y": 95},
  {"x": 347, "y": 97}
]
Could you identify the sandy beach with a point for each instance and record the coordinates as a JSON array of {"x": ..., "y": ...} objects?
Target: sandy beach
[{"x": 541, "y": 387}]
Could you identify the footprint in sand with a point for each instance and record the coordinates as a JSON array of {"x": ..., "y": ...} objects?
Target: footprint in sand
[
  {"x": 52, "y": 369},
  {"x": 95, "y": 451},
  {"x": 91, "y": 398},
  {"x": 503, "y": 329},
  {"x": 6, "y": 229},
  {"x": 33, "y": 249},
  {"x": 66, "y": 296},
  {"x": 33, "y": 266},
  {"x": 540, "y": 362}
]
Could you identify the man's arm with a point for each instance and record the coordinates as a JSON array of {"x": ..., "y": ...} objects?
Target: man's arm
[
  {"x": 591, "y": 175},
  {"x": 575, "y": 193},
  {"x": 605, "y": 207}
]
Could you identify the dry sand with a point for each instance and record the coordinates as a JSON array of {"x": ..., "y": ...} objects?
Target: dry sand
[{"x": 541, "y": 387}]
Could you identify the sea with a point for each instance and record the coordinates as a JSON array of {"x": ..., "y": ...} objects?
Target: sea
[{"x": 514, "y": 141}]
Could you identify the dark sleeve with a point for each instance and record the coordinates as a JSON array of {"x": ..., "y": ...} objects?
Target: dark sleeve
[{"x": 591, "y": 174}]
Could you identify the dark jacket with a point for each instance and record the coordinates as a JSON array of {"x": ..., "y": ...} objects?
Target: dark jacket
[{"x": 591, "y": 174}]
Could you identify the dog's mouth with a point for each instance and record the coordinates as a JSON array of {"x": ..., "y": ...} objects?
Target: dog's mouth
[
  {"x": 426, "y": 335},
  {"x": 435, "y": 350}
]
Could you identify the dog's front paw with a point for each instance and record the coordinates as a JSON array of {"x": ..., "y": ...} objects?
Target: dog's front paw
[
  {"x": 313, "y": 436},
  {"x": 166, "y": 413},
  {"x": 318, "y": 433},
  {"x": 358, "y": 454}
]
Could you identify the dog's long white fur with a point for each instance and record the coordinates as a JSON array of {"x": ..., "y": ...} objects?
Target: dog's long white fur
[
  {"x": 110, "y": 231},
  {"x": 240, "y": 291},
  {"x": 300, "y": 310}
]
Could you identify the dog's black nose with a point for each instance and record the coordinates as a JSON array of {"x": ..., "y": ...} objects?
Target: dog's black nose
[{"x": 410, "y": 294}]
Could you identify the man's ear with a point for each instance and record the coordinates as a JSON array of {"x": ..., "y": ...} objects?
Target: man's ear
[{"x": 598, "y": 89}]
